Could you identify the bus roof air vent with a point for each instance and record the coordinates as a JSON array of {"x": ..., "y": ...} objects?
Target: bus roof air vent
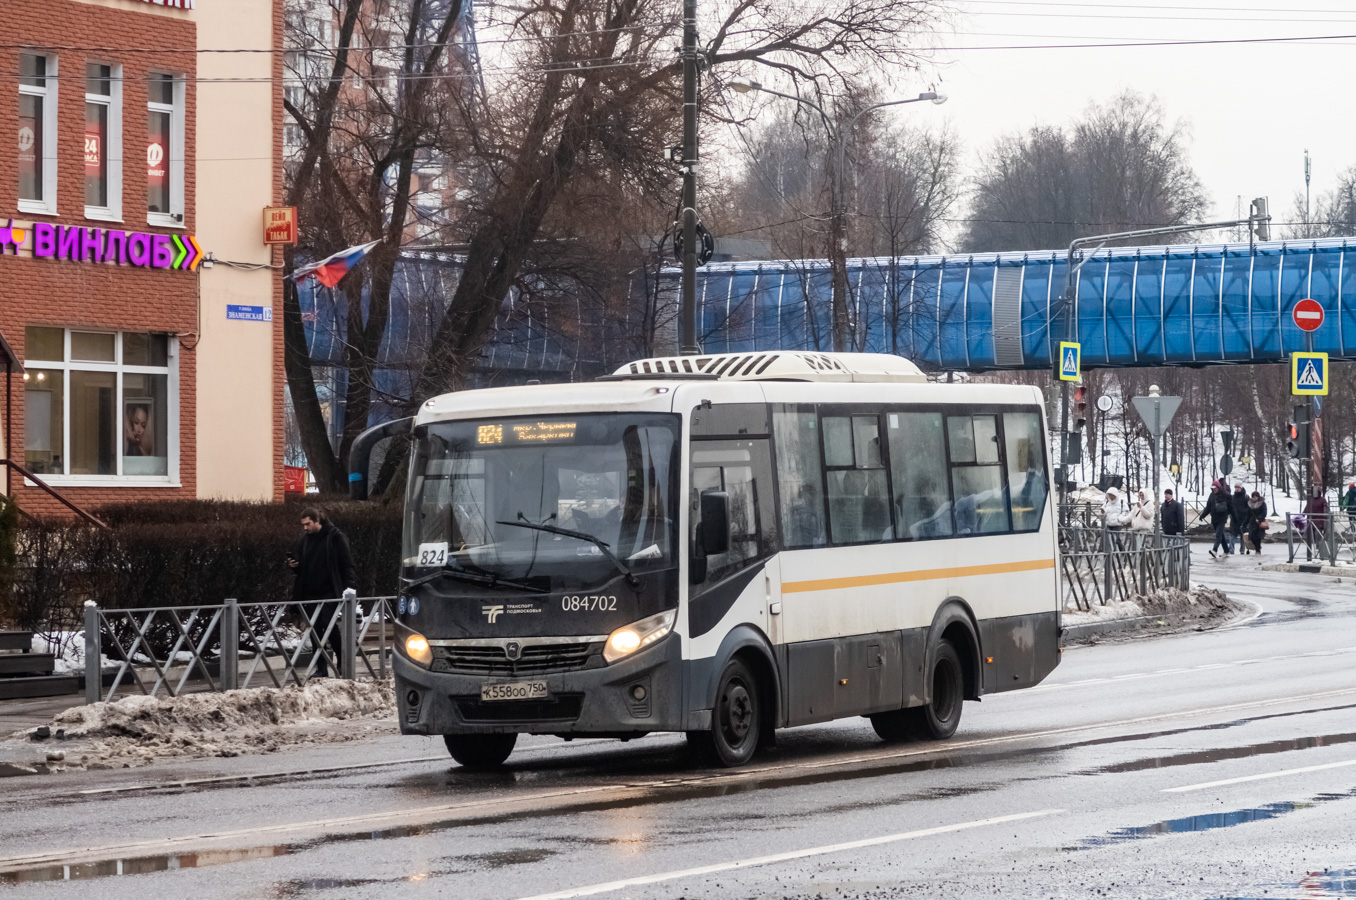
[{"x": 775, "y": 365}]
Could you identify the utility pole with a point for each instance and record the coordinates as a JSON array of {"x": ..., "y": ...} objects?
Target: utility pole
[{"x": 688, "y": 318}]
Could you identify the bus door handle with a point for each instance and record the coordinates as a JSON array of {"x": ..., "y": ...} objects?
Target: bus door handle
[{"x": 776, "y": 608}]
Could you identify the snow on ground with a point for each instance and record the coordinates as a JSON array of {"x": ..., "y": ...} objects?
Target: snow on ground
[{"x": 136, "y": 731}]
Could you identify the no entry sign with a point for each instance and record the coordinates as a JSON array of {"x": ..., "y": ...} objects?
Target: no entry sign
[{"x": 1308, "y": 315}]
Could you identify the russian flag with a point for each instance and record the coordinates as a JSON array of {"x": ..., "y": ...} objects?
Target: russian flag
[{"x": 332, "y": 268}]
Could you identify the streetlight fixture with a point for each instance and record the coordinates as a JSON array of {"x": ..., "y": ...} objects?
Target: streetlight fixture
[{"x": 838, "y": 212}]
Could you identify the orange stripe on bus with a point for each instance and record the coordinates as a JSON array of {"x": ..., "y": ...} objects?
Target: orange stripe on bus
[{"x": 828, "y": 584}]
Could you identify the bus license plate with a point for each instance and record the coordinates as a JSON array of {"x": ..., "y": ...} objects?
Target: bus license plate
[{"x": 518, "y": 690}]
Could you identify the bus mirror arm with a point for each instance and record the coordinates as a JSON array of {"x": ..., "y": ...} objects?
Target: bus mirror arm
[{"x": 360, "y": 454}]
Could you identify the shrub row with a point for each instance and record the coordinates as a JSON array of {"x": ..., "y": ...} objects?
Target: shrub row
[{"x": 177, "y": 553}]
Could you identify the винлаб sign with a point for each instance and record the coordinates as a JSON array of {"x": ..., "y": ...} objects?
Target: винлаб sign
[{"x": 105, "y": 245}]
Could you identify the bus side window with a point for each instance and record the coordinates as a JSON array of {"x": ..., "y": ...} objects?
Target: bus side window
[
  {"x": 981, "y": 505},
  {"x": 918, "y": 465},
  {"x": 800, "y": 478},
  {"x": 859, "y": 510},
  {"x": 1026, "y": 469},
  {"x": 739, "y": 483}
]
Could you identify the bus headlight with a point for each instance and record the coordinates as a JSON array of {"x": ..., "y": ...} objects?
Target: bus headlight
[
  {"x": 625, "y": 641},
  {"x": 418, "y": 650}
]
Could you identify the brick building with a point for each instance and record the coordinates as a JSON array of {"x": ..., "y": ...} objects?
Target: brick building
[{"x": 135, "y": 288}]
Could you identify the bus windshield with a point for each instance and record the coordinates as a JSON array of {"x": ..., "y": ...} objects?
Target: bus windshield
[{"x": 476, "y": 484}]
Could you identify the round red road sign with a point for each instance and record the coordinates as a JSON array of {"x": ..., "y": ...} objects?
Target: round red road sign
[{"x": 1308, "y": 314}]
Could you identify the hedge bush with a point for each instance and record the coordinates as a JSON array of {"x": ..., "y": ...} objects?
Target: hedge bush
[{"x": 182, "y": 553}]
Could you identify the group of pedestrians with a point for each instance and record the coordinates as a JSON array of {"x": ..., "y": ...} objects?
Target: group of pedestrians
[
  {"x": 1239, "y": 518},
  {"x": 1139, "y": 516},
  {"x": 1235, "y": 517}
]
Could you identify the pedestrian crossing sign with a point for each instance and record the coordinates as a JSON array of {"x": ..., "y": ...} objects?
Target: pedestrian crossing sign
[
  {"x": 1309, "y": 374},
  {"x": 1070, "y": 360}
]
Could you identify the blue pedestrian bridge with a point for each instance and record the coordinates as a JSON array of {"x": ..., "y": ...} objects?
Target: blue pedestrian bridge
[{"x": 1133, "y": 306}]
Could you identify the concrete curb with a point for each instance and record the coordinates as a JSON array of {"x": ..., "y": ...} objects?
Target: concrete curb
[
  {"x": 1310, "y": 569},
  {"x": 1137, "y": 623}
]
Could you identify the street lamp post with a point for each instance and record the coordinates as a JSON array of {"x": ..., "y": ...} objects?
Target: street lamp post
[{"x": 837, "y": 193}]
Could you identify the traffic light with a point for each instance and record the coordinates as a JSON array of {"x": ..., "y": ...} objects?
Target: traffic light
[
  {"x": 1261, "y": 219},
  {"x": 1297, "y": 435},
  {"x": 1080, "y": 408}
]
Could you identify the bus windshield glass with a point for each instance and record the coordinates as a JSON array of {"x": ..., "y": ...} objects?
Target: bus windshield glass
[{"x": 476, "y": 487}]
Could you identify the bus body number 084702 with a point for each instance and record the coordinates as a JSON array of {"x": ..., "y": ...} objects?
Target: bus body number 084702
[{"x": 587, "y": 603}]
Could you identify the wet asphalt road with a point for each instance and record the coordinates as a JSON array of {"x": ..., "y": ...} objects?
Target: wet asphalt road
[{"x": 1207, "y": 765}]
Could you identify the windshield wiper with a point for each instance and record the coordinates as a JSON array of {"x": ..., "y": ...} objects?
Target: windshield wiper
[
  {"x": 579, "y": 535},
  {"x": 486, "y": 578}
]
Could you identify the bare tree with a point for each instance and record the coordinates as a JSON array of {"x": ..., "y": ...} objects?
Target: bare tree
[
  {"x": 594, "y": 86},
  {"x": 1119, "y": 167}
]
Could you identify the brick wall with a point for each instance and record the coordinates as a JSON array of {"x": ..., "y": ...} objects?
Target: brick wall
[{"x": 95, "y": 295}]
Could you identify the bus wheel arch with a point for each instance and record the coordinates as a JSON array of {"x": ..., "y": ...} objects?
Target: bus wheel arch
[
  {"x": 955, "y": 622},
  {"x": 749, "y": 647}
]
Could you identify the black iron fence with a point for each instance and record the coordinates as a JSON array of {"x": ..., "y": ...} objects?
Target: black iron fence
[
  {"x": 173, "y": 649},
  {"x": 1105, "y": 565}
]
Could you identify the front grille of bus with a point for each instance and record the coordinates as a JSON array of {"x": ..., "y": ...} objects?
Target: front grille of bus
[
  {"x": 560, "y": 708},
  {"x": 537, "y": 659}
]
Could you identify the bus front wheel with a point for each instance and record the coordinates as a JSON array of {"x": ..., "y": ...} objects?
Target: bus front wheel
[
  {"x": 734, "y": 720},
  {"x": 480, "y": 751}
]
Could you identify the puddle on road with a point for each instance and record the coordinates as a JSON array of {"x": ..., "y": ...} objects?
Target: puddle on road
[
  {"x": 1222, "y": 753},
  {"x": 1205, "y": 822},
  {"x": 1329, "y": 883}
]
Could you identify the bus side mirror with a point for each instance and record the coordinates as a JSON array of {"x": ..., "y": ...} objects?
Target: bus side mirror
[{"x": 715, "y": 526}]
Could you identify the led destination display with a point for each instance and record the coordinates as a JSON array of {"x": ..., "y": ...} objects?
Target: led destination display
[{"x": 526, "y": 433}]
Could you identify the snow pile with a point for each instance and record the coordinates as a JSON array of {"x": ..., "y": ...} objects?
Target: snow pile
[
  {"x": 1168, "y": 610},
  {"x": 137, "y": 730}
]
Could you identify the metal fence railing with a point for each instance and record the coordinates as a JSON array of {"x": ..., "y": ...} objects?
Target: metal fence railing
[
  {"x": 173, "y": 649},
  {"x": 1105, "y": 565}
]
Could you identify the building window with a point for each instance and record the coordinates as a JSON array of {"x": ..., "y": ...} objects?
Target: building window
[
  {"x": 99, "y": 405},
  {"x": 103, "y": 141},
  {"x": 37, "y": 133},
  {"x": 165, "y": 151}
]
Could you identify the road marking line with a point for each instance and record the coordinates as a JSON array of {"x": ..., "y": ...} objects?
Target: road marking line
[
  {"x": 783, "y": 857},
  {"x": 1282, "y": 773},
  {"x": 496, "y": 806}
]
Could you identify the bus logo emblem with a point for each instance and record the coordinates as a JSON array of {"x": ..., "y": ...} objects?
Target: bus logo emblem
[
  {"x": 492, "y": 612},
  {"x": 513, "y": 650}
]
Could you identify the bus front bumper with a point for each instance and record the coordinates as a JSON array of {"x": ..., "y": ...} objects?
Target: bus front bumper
[{"x": 637, "y": 694}]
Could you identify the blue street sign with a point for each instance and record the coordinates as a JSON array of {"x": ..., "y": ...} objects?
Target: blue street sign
[
  {"x": 249, "y": 313},
  {"x": 1309, "y": 374},
  {"x": 1070, "y": 360}
]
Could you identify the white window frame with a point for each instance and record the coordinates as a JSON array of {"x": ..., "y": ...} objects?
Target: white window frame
[
  {"x": 175, "y": 217},
  {"x": 47, "y": 206},
  {"x": 67, "y": 365},
  {"x": 113, "y": 146}
]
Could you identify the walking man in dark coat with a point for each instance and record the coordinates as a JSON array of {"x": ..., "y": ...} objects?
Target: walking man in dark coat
[
  {"x": 1174, "y": 519},
  {"x": 323, "y": 564},
  {"x": 1242, "y": 515}
]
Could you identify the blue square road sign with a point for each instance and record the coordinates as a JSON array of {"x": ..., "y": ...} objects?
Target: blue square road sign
[
  {"x": 1309, "y": 374},
  {"x": 1070, "y": 360}
]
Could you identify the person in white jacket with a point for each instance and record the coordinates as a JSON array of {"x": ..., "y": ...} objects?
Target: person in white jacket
[
  {"x": 1142, "y": 517},
  {"x": 1114, "y": 511}
]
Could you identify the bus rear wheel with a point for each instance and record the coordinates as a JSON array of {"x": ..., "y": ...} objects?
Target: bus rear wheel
[
  {"x": 733, "y": 737},
  {"x": 480, "y": 751},
  {"x": 937, "y": 721}
]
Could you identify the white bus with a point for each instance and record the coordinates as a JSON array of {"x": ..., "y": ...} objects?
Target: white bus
[{"x": 721, "y": 545}]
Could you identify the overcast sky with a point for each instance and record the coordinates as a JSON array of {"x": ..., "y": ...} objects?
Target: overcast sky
[{"x": 1253, "y": 108}]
